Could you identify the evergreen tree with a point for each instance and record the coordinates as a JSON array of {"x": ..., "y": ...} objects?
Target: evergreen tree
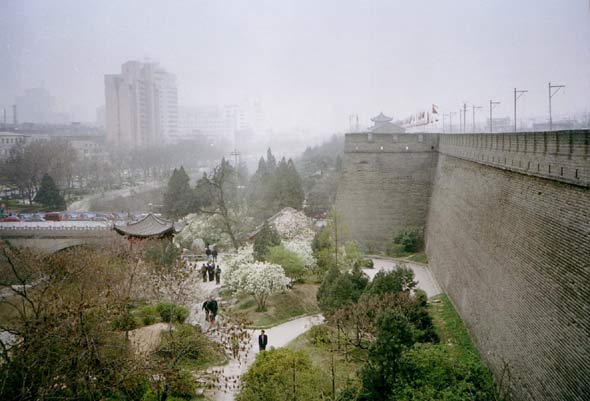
[
  {"x": 179, "y": 196},
  {"x": 48, "y": 194},
  {"x": 266, "y": 238},
  {"x": 271, "y": 161},
  {"x": 287, "y": 187}
]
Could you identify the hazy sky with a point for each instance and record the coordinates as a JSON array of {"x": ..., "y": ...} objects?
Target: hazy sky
[{"x": 311, "y": 63}]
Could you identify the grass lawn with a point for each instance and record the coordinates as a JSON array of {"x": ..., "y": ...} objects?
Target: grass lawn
[
  {"x": 450, "y": 327},
  {"x": 419, "y": 257},
  {"x": 299, "y": 301}
]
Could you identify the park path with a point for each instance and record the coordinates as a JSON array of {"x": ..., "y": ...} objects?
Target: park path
[{"x": 226, "y": 378}]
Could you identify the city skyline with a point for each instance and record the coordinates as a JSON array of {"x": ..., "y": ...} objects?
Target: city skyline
[{"x": 310, "y": 66}]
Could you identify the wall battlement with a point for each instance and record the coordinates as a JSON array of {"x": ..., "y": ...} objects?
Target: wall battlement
[{"x": 559, "y": 155}]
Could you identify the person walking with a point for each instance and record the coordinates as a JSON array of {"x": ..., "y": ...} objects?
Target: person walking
[
  {"x": 210, "y": 307},
  {"x": 214, "y": 254},
  {"x": 211, "y": 271},
  {"x": 204, "y": 308},
  {"x": 217, "y": 275},
  {"x": 208, "y": 253},
  {"x": 204, "y": 272},
  {"x": 262, "y": 341}
]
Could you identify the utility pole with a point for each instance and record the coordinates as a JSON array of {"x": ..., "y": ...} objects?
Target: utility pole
[
  {"x": 4, "y": 117},
  {"x": 517, "y": 95},
  {"x": 460, "y": 120},
  {"x": 551, "y": 94},
  {"x": 443, "y": 121},
  {"x": 474, "y": 108},
  {"x": 492, "y": 104},
  {"x": 464, "y": 115},
  {"x": 14, "y": 117}
]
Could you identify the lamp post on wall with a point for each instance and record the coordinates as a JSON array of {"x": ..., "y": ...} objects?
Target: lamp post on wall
[
  {"x": 517, "y": 95},
  {"x": 551, "y": 94},
  {"x": 451, "y": 120},
  {"x": 492, "y": 105},
  {"x": 474, "y": 108}
]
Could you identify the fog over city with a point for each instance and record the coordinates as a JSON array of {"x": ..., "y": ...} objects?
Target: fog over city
[{"x": 309, "y": 64}]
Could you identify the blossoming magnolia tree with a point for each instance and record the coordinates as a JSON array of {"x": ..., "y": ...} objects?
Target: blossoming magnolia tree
[
  {"x": 259, "y": 279},
  {"x": 296, "y": 232}
]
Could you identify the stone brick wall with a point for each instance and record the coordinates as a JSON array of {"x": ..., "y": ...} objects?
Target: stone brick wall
[
  {"x": 386, "y": 184},
  {"x": 513, "y": 253},
  {"x": 507, "y": 220}
]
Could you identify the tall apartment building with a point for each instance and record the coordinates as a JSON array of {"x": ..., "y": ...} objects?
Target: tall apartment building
[{"x": 141, "y": 107}]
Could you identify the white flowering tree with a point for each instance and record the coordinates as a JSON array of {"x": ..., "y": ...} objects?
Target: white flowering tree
[
  {"x": 259, "y": 279},
  {"x": 296, "y": 232}
]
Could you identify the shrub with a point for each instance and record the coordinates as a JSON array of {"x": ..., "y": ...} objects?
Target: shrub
[
  {"x": 411, "y": 238},
  {"x": 320, "y": 334},
  {"x": 170, "y": 312},
  {"x": 394, "y": 281},
  {"x": 124, "y": 322},
  {"x": 290, "y": 261},
  {"x": 282, "y": 371},
  {"x": 147, "y": 314}
]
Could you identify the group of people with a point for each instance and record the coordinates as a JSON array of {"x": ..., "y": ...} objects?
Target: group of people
[{"x": 211, "y": 271}]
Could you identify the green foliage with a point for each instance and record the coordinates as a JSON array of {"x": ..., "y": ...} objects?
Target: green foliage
[
  {"x": 291, "y": 262},
  {"x": 435, "y": 372},
  {"x": 394, "y": 335},
  {"x": 49, "y": 196},
  {"x": 274, "y": 187},
  {"x": 339, "y": 289},
  {"x": 393, "y": 281},
  {"x": 266, "y": 238},
  {"x": 124, "y": 321},
  {"x": 283, "y": 374},
  {"x": 320, "y": 334},
  {"x": 179, "y": 197},
  {"x": 162, "y": 253},
  {"x": 172, "y": 313},
  {"x": 410, "y": 239},
  {"x": 147, "y": 314}
]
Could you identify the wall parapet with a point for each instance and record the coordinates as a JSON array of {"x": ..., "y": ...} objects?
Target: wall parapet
[
  {"x": 557, "y": 155},
  {"x": 390, "y": 143}
]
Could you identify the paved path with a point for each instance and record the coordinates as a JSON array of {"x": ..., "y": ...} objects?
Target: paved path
[
  {"x": 226, "y": 378},
  {"x": 425, "y": 279}
]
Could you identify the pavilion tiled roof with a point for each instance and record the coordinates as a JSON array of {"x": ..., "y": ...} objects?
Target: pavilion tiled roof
[
  {"x": 381, "y": 118},
  {"x": 149, "y": 226}
]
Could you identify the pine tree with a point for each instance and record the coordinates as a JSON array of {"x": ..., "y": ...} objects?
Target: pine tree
[
  {"x": 179, "y": 196},
  {"x": 266, "y": 238},
  {"x": 48, "y": 194}
]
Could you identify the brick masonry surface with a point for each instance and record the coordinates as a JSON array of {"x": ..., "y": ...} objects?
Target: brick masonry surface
[
  {"x": 385, "y": 185},
  {"x": 513, "y": 254},
  {"x": 508, "y": 241}
]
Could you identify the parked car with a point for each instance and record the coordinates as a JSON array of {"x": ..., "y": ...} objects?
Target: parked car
[
  {"x": 54, "y": 216},
  {"x": 10, "y": 219}
]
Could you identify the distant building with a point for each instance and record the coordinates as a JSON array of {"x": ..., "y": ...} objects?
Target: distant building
[
  {"x": 38, "y": 106},
  {"x": 222, "y": 122},
  {"x": 141, "y": 106},
  {"x": 382, "y": 125},
  {"x": 500, "y": 124},
  {"x": 10, "y": 140}
]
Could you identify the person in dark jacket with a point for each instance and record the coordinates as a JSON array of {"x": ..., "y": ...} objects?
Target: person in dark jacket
[
  {"x": 214, "y": 254},
  {"x": 204, "y": 272},
  {"x": 208, "y": 253},
  {"x": 211, "y": 271},
  {"x": 262, "y": 341},
  {"x": 217, "y": 275},
  {"x": 210, "y": 307}
]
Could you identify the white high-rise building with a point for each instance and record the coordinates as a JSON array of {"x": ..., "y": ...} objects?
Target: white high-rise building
[{"x": 141, "y": 107}]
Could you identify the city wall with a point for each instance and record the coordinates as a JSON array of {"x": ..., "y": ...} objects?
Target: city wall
[{"x": 507, "y": 228}]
